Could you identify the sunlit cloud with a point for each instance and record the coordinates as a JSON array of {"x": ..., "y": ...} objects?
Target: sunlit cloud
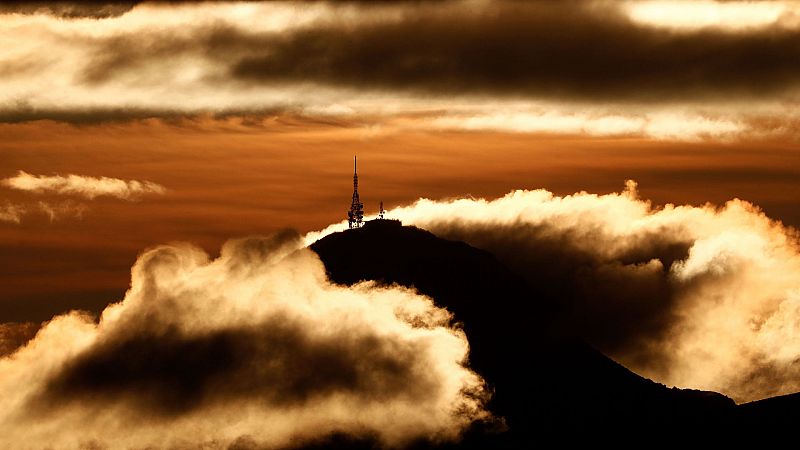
[
  {"x": 692, "y": 15},
  {"x": 674, "y": 126},
  {"x": 264, "y": 339},
  {"x": 53, "y": 211},
  {"x": 83, "y": 186},
  {"x": 271, "y": 58},
  {"x": 57, "y": 210},
  {"x": 701, "y": 297},
  {"x": 10, "y": 212}
]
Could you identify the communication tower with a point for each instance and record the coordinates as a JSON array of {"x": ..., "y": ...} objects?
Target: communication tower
[{"x": 355, "y": 217}]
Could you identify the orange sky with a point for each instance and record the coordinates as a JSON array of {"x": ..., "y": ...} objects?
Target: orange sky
[
  {"x": 249, "y": 114},
  {"x": 229, "y": 178}
]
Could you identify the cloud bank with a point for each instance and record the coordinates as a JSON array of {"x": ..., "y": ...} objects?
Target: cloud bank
[
  {"x": 390, "y": 59},
  {"x": 206, "y": 352},
  {"x": 83, "y": 186},
  {"x": 701, "y": 297}
]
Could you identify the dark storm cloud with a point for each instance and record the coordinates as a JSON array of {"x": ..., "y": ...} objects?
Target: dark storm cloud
[
  {"x": 470, "y": 62},
  {"x": 277, "y": 362},
  {"x": 573, "y": 50},
  {"x": 560, "y": 50}
]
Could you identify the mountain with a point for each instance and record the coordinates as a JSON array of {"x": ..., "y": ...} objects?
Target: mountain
[
  {"x": 770, "y": 415},
  {"x": 546, "y": 385}
]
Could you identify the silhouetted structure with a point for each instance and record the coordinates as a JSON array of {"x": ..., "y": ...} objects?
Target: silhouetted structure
[
  {"x": 355, "y": 217},
  {"x": 381, "y": 212}
]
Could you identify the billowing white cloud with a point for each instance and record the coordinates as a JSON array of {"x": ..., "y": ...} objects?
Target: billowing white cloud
[
  {"x": 88, "y": 187},
  {"x": 702, "y": 297},
  {"x": 254, "y": 346},
  {"x": 15, "y": 334}
]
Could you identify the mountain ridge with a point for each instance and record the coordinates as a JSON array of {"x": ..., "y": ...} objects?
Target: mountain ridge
[{"x": 545, "y": 383}]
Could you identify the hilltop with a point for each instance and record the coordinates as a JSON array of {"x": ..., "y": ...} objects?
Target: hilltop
[{"x": 546, "y": 384}]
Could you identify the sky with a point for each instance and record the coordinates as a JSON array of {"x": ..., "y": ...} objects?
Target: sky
[{"x": 128, "y": 125}]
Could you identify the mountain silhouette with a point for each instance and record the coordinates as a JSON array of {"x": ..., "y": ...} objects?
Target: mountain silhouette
[{"x": 546, "y": 384}]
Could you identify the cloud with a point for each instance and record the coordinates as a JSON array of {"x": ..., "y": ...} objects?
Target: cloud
[
  {"x": 734, "y": 15},
  {"x": 14, "y": 213},
  {"x": 205, "y": 352},
  {"x": 55, "y": 211},
  {"x": 10, "y": 212},
  {"x": 702, "y": 297},
  {"x": 388, "y": 58},
  {"x": 83, "y": 186},
  {"x": 67, "y": 9},
  {"x": 14, "y": 335},
  {"x": 567, "y": 50},
  {"x": 672, "y": 126}
]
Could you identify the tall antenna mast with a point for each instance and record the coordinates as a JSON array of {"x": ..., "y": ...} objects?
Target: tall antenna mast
[
  {"x": 355, "y": 217},
  {"x": 381, "y": 212}
]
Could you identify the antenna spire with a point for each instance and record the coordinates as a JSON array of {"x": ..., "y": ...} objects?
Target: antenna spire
[{"x": 355, "y": 217}]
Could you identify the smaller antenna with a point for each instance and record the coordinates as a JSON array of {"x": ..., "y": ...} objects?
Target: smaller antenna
[{"x": 381, "y": 212}]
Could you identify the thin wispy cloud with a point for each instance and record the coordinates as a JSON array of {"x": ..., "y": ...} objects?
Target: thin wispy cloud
[
  {"x": 14, "y": 213},
  {"x": 10, "y": 212},
  {"x": 57, "y": 210},
  {"x": 83, "y": 186}
]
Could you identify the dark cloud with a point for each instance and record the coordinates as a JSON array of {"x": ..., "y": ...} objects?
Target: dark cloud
[
  {"x": 277, "y": 362},
  {"x": 620, "y": 305},
  {"x": 565, "y": 50},
  {"x": 573, "y": 51},
  {"x": 570, "y": 49}
]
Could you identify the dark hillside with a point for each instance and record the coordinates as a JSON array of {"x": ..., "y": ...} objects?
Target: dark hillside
[{"x": 545, "y": 384}]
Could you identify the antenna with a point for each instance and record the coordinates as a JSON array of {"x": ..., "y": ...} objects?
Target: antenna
[
  {"x": 381, "y": 212},
  {"x": 355, "y": 217}
]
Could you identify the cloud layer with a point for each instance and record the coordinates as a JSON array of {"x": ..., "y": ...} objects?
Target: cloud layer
[
  {"x": 700, "y": 297},
  {"x": 83, "y": 186},
  {"x": 401, "y": 58},
  {"x": 205, "y": 352}
]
